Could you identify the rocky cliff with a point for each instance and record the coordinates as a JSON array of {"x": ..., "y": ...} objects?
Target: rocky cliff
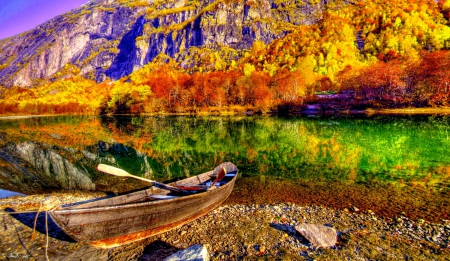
[{"x": 111, "y": 38}]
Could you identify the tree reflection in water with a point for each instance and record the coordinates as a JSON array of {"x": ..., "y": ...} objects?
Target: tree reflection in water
[{"x": 62, "y": 152}]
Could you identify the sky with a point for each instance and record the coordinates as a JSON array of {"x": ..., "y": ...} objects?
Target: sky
[{"x": 17, "y": 16}]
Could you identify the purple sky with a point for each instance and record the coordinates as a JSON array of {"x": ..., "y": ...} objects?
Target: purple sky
[{"x": 17, "y": 16}]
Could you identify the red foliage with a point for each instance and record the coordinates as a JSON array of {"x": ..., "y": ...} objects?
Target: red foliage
[{"x": 261, "y": 91}]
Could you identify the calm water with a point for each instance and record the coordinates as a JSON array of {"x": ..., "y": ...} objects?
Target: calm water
[
  {"x": 62, "y": 152},
  {"x": 7, "y": 193}
]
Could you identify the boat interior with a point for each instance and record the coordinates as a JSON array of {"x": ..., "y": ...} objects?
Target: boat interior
[{"x": 203, "y": 182}]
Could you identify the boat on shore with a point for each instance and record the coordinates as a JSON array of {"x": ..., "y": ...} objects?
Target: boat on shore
[{"x": 123, "y": 219}]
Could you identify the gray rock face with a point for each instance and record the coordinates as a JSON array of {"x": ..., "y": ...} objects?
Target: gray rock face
[
  {"x": 36, "y": 166},
  {"x": 54, "y": 165},
  {"x": 14, "y": 173},
  {"x": 105, "y": 39},
  {"x": 85, "y": 37},
  {"x": 30, "y": 166},
  {"x": 318, "y": 235}
]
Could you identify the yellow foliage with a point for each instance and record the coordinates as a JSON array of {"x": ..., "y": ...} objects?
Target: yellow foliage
[
  {"x": 446, "y": 5},
  {"x": 248, "y": 69},
  {"x": 152, "y": 13}
]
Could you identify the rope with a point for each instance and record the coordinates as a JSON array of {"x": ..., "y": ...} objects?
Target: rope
[
  {"x": 47, "y": 205},
  {"x": 46, "y": 235}
]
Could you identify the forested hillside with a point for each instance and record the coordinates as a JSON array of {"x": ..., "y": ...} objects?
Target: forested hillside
[
  {"x": 109, "y": 39},
  {"x": 379, "y": 53}
]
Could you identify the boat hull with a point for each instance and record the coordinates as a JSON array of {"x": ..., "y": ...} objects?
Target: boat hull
[{"x": 106, "y": 226}]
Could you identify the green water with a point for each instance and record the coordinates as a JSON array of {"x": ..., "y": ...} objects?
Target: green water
[
  {"x": 401, "y": 150},
  {"x": 388, "y": 149}
]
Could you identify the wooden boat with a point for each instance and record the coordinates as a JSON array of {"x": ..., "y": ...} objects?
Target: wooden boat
[{"x": 130, "y": 217}]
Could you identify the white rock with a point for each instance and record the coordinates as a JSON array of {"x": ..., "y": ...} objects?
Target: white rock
[
  {"x": 192, "y": 253},
  {"x": 318, "y": 235}
]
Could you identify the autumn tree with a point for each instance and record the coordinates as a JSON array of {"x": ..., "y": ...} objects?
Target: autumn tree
[
  {"x": 431, "y": 79},
  {"x": 444, "y": 6},
  {"x": 262, "y": 92}
]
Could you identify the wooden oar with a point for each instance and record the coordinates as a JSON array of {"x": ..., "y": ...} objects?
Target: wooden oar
[
  {"x": 220, "y": 175},
  {"x": 122, "y": 173}
]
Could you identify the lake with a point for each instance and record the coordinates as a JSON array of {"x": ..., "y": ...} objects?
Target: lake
[{"x": 393, "y": 165}]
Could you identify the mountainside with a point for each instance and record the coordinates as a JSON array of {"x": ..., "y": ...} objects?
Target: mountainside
[
  {"x": 112, "y": 38},
  {"x": 230, "y": 56}
]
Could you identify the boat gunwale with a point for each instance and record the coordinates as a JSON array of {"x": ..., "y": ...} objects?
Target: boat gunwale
[{"x": 146, "y": 203}]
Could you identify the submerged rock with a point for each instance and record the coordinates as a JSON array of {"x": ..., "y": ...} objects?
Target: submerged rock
[{"x": 318, "y": 235}]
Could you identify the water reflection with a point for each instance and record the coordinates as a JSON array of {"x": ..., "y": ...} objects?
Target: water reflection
[
  {"x": 62, "y": 152},
  {"x": 6, "y": 193}
]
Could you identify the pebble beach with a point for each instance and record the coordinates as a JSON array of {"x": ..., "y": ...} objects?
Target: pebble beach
[{"x": 238, "y": 232}]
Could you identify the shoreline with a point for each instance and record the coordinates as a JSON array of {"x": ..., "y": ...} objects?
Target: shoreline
[
  {"x": 18, "y": 117},
  {"x": 244, "y": 232},
  {"x": 414, "y": 202},
  {"x": 253, "y": 111},
  {"x": 411, "y": 111},
  {"x": 239, "y": 231}
]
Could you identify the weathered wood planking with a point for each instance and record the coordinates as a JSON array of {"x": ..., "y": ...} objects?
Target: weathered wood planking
[{"x": 123, "y": 219}]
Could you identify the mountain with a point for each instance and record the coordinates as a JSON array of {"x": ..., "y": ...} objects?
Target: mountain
[
  {"x": 231, "y": 56},
  {"x": 109, "y": 39}
]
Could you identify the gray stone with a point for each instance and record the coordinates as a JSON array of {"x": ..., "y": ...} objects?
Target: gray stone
[
  {"x": 192, "y": 253},
  {"x": 318, "y": 235}
]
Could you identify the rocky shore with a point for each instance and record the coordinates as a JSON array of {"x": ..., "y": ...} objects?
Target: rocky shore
[{"x": 238, "y": 232}]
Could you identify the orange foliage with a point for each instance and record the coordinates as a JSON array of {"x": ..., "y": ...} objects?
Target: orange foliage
[
  {"x": 374, "y": 49},
  {"x": 424, "y": 83},
  {"x": 262, "y": 92}
]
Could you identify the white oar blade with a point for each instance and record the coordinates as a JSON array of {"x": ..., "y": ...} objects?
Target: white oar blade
[
  {"x": 122, "y": 173},
  {"x": 113, "y": 171}
]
